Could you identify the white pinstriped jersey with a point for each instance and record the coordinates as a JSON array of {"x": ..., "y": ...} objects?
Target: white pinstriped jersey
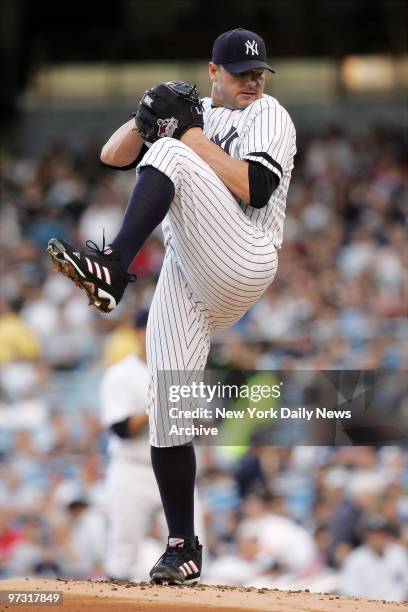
[
  {"x": 217, "y": 265},
  {"x": 264, "y": 133},
  {"x": 220, "y": 254}
]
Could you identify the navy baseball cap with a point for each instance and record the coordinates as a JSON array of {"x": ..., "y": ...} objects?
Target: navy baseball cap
[{"x": 240, "y": 50}]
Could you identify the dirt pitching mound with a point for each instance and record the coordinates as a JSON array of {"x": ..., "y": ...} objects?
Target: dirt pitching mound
[{"x": 96, "y": 596}]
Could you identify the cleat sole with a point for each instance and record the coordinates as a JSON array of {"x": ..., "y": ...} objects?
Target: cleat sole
[
  {"x": 175, "y": 582},
  {"x": 56, "y": 251}
]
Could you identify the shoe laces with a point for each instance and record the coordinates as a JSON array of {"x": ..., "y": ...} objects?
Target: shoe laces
[
  {"x": 94, "y": 248},
  {"x": 171, "y": 554}
]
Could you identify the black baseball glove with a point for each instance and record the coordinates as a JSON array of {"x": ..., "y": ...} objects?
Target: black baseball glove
[{"x": 168, "y": 109}]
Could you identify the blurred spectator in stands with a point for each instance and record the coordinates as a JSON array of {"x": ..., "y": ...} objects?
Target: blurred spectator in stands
[
  {"x": 220, "y": 500},
  {"x": 103, "y": 214},
  {"x": 258, "y": 467},
  {"x": 49, "y": 564},
  {"x": 377, "y": 569},
  {"x": 17, "y": 342},
  {"x": 278, "y": 535},
  {"x": 27, "y": 552},
  {"x": 238, "y": 566},
  {"x": 87, "y": 540},
  {"x": 10, "y": 537},
  {"x": 362, "y": 496}
]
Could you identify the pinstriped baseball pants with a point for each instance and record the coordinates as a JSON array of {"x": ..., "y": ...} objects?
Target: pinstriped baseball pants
[{"x": 217, "y": 264}]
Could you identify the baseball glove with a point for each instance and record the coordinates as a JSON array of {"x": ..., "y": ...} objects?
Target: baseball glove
[{"x": 168, "y": 109}]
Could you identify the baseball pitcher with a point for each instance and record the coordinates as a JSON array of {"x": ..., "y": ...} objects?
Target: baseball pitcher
[{"x": 216, "y": 172}]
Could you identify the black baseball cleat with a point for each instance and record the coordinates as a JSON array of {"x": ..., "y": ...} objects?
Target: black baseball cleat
[
  {"x": 179, "y": 564},
  {"x": 97, "y": 271}
]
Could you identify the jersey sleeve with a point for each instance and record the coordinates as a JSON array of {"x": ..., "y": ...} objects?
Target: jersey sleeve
[
  {"x": 123, "y": 393},
  {"x": 270, "y": 139}
]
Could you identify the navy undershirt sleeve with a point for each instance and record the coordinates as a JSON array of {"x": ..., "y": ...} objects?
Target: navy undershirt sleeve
[
  {"x": 121, "y": 428},
  {"x": 262, "y": 183},
  {"x": 129, "y": 166}
]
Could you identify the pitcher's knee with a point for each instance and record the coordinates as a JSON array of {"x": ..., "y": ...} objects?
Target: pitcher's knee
[{"x": 174, "y": 159}]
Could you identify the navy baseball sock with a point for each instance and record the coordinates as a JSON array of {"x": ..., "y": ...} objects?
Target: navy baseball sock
[
  {"x": 175, "y": 471},
  {"x": 147, "y": 207}
]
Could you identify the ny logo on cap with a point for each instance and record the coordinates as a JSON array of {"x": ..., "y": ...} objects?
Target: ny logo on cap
[{"x": 251, "y": 46}]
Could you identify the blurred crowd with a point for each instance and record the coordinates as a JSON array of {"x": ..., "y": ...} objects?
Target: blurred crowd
[{"x": 307, "y": 517}]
